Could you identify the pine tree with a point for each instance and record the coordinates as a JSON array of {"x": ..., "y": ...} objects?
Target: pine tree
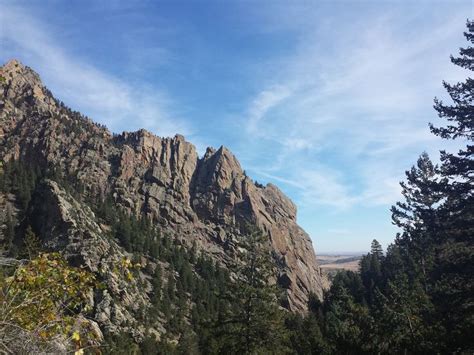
[
  {"x": 371, "y": 270},
  {"x": 9, "y": 229},
  {"x": 7, "y": 177},
  {"x": 401, "y": 325},
  {"x": 32, "y": 243},
  {"x": 157, "y": 284},
  {"x": 349, "y": 280},
  {"x": 2, "y": 176},
  {"x": 460, "y": 116},
  {"x": 170, "y": 288},
  {"x": 421, "y": 193},
  {"x": 454, "y": 259},
  {"x": 188, "y": 343},
  {"x": 305, "y": 333},
  {"x": 123, "y": 229},
  {"x": 376, "y": 250},
  {"x": 347, "y": 323},
  {"x": 418, "y": 216},
  {"x": 256, "y": 323}
]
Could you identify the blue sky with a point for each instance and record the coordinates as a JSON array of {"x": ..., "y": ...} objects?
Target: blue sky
[{"x": 330, "y": 100}]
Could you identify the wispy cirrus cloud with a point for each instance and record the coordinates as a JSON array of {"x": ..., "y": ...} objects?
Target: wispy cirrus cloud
[
  {"x": 109, "y": 99},
  {"x": 356, "y": 121},
  {"x": 265, "y": 101}
]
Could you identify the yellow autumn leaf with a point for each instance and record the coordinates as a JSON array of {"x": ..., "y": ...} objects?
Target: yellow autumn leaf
[
  {"x": 43, "y": 334},
  {"x": 79, "y": 352},
  {"x": 76, "y": 336}
]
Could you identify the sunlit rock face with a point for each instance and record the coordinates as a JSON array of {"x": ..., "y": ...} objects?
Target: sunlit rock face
[{"x": 205, "y": 201}]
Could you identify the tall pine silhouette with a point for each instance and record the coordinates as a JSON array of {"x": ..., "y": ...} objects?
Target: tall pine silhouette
[{"x": 454, "y": 259}]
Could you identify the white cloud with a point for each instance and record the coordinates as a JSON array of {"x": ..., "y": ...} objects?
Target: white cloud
[
  {"x": 324, "y": 188},
  {"x": 297, "y": 143},
  {"x": 108, "y": 99},
  {"x": 360, "y": 103},
  {"x": 262, "y": 104},
  {"x": 317, "y": 187}
]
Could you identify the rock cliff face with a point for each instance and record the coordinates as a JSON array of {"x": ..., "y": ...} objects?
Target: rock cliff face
[
  {"x": 207, "y": 201},
  {"x": 68, "y": 226}
]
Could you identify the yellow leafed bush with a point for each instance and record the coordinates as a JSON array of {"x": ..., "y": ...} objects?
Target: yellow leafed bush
[{"x": 45, "y": 297}]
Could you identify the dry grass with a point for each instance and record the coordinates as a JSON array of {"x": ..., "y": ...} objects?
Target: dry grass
[{"x": 331, "y": 264}]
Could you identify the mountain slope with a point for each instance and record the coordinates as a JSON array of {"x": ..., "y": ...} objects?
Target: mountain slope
[{"x": 204, "y": 201}]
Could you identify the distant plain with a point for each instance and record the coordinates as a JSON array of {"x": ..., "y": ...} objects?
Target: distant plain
[{"x": 332, "y": 263}]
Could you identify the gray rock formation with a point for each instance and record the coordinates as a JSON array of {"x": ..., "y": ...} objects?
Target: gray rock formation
[
  {"x": 207, "y": 201},
  {"x": 69, "y": 227}
]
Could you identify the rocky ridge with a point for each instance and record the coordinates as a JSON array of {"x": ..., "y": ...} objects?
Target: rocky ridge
[
  {"x": 70, "y": 227},
  {"x": 203, "y": 200}
]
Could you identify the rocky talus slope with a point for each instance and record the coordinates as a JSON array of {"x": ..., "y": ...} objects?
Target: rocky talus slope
[{"x": 203, "y": 200}]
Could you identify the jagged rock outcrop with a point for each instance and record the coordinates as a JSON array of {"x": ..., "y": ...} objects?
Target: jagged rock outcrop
[
  {"x": 69, "y": 227},
  {"x": 206, "y": 201}
]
